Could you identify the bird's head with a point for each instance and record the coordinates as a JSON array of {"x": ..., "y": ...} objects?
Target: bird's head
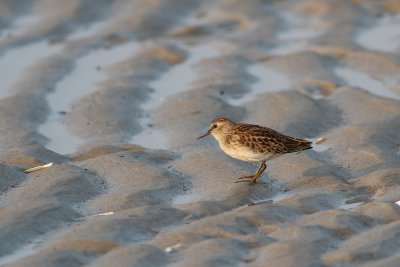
[{"x": 218, "y": 127}]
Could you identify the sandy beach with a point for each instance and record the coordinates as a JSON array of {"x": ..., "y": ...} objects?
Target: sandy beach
[{"x": 114, "y": 93}]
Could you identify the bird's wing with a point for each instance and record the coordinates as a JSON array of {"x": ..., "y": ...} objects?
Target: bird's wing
[{"x": 266, "y": 140}]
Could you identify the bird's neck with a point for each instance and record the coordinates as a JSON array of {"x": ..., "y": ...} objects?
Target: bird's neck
[{"x": 221, "y": 137}]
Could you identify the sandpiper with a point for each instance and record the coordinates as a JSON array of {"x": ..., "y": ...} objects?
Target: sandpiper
[{"x": 252, "y": 143}]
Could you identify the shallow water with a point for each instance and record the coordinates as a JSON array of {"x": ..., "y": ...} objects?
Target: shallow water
[
  {"x": 364, "y": 82},
  {"x": 181, "y": 77},
  {"x": 177, "y": 80},
  {"x": 296, "y": 35},
  {"x": 20, "y": 25},
  {"x": 17, "y": 60},
  {"x": 268, "y": 80},
  {"x": 384, "y": 36},
  {"x": 80, "y": 82},
  {"x": 88, "y": 30}
]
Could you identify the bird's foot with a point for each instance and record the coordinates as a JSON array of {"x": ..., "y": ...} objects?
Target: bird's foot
[
  {"x": 246, "y": 176},
  {"x": 252, "y": 179}
]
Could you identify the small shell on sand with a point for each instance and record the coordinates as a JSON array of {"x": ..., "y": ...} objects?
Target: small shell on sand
[
  {"x": 172, "y": 248},
  {"x": 38, "y": 168},
  {"x": 108, "y": 213},
  {"x": 317, "y": 141},
  {"x": 320, "y": 140}
]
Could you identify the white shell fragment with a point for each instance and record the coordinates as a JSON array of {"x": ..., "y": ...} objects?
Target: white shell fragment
[
  {"x": 320, "y": 140},
  {"x": 171, "y": 248},
  {"x": 317, "y": 141},
  {"x": 38, "y": 168},
  {"x": 108, "y": 213}
]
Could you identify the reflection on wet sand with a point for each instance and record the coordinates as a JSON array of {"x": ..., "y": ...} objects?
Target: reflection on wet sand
[{"x": 80, "y": 82}]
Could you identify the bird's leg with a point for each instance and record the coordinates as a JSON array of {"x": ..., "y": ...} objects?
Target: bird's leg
[
  {"x": 260, "y": 170},
  {"x": 254, "y": 177}
]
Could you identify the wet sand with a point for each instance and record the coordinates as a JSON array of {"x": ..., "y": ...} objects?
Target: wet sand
[{"x": 114, "y": 93}]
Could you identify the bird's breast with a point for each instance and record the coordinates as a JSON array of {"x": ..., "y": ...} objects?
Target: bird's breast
[{"x": 244, "y": 153}]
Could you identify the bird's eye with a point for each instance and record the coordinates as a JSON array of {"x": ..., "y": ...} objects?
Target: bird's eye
[{"x": 214, "y": 126}]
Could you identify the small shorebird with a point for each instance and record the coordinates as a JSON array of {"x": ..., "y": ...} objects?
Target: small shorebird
[{"x": 252, "y": 143}]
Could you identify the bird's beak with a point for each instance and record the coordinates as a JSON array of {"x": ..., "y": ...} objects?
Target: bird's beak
[{"x": 204, "y": 135}]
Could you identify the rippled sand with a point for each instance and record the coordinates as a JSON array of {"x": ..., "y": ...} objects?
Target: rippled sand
[{"x": 114, "y": 93}]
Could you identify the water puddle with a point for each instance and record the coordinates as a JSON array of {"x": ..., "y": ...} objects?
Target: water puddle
[
  {"x": 89, "y": 30},
  {"x": 20, "y": 25},
  {"x": 364, "y": 81},
  {"x": 179, "y": 79},
  {"x": 80, "y": 82},
  {"x": 16, "y": 60},
  {"x": 296, "y": 36},
  {"x": 385, "y": 36},
  {"x": 268, "y": 80}
]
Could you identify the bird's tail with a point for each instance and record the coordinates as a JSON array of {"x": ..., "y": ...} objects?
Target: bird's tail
[
  {"x": 318, "y": 143},
  {"x": 303, "y": 145},
  {"x": 296, "y": 145}
]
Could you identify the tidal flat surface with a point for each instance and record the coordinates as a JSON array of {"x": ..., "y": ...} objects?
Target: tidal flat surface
[{"x": 115, "y": 98}]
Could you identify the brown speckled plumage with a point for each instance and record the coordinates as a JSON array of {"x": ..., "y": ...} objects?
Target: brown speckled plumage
[
  {"x": 253, "y": 143},
  {"x": 263, "y": 139}
]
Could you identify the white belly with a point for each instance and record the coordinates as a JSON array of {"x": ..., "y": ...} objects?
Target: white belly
[{"x": 246, "y": 154}]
